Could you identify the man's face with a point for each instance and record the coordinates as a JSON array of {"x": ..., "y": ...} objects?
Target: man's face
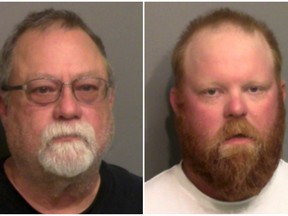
[
  {"x": 229, "y": 111},
  {"x": 65, "y": 137}
]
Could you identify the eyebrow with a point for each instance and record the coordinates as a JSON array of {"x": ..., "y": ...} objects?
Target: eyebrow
[
  {"x": 46, "y": 75},
  {"x": 39, "y": 76}
]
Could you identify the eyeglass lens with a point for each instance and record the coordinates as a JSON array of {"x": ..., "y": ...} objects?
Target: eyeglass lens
[{"x": 86, "y": 90}]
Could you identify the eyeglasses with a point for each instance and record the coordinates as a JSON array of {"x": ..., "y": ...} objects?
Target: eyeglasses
[{"x": 48, "y": 90}]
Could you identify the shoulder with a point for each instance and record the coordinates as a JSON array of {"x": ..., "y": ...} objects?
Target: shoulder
[
  {"x": 2, "y": 174},
  {"x": 3, "y": 178},
  {"x": 120, "y": 191},
  {"x": 281, "y": 173},
  {"x": 273, "y": 197},
  {"x": 120, "y": 175},
  {"x": 162, "y": 180},
  {"x": 10, "y": 200},
  {"x": 283, "y": 165},
  {"x": 163, "y": 191}
]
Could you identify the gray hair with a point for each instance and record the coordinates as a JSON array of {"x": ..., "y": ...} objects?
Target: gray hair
[{"x": 42, "y": 20}]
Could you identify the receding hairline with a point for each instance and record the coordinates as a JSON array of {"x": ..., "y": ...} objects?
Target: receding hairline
[
  {"x": 55, "y": 26},
  {"x": 181, "y": 48},
  {"x": 225, "y": 28},
  {"x": 42, "y": 20}
]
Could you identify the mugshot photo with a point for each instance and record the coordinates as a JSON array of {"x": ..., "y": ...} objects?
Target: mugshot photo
[
  {"x": 215, "y": 95},
  {"x": 71, "y": 108}
]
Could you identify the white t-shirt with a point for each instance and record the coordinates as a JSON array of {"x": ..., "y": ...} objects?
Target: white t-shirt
[{"x": 172, "y": 192}]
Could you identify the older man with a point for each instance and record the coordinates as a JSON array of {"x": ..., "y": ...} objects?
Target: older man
[
  {"x": 228, "y": 102},
  {"x": 56, "y": 108}
]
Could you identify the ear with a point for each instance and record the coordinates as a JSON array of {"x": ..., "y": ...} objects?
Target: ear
[
  {"x": 175, "y": 100},
  {"x": 283, "y": 89}
]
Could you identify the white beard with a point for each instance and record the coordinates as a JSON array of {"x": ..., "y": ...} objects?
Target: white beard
[{"x": 68, "y": 159}]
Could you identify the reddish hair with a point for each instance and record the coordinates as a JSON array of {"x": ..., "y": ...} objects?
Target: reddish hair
[{"x": 215, "y": 19}]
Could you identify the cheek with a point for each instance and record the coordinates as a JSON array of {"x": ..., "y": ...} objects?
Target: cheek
[
  {"x": 100, "y": 119},
  {"x": 24, "y": 126},
  {"x": 204, "y": 118},
  {"x": 22, "y": 134},
  {"x": 263, "y": 115}
]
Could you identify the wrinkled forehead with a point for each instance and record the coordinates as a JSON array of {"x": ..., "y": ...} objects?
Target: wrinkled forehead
[
  {"x": 54, "y": 35},
  {"x": 55, "y": 49}
]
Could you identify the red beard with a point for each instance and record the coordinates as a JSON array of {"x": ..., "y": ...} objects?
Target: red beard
[{"x": 236, "y": 172}]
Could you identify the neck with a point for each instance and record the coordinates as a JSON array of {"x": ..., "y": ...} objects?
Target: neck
[{"x": 48, "y": 193}]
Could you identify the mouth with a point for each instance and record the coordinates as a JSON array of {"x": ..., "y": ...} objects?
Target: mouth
[
  {"x": 65, "y": 138},
  {"x": 238, "y": 139}
]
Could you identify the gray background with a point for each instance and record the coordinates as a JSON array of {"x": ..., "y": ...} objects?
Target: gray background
[
  {"x": 163, "y": 24},
  {"x": 120, "y": 27}
]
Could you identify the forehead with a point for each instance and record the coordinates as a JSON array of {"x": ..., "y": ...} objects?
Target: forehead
[
  {"x": 57, "y": 50},
  {"x": 227, "y": 44}
]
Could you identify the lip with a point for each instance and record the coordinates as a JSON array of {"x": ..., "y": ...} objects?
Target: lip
[
  {"x": 238, "y": 140},
  {"x": 67, "y": 138}
]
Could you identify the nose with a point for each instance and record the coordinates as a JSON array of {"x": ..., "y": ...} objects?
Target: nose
[
  {"x": 67, "y": 107},
  {"x": 235, "y": 106}
]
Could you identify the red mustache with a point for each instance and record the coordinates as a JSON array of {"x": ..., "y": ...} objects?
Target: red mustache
[{"x": 237, "y": 128}]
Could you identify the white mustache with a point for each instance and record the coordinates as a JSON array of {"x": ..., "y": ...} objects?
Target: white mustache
[
  {"x": 70, "y": 157},
  {"x": 82, "y": 130}
]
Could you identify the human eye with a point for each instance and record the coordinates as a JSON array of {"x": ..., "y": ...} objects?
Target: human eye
[
  {"x": 42, "y": 87},
  {"x": 87, "y": 87},
  {"x": 42, "y": 90},
  {"x": 210, "y": 92},
  {"x": 256, "y": 89}
]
